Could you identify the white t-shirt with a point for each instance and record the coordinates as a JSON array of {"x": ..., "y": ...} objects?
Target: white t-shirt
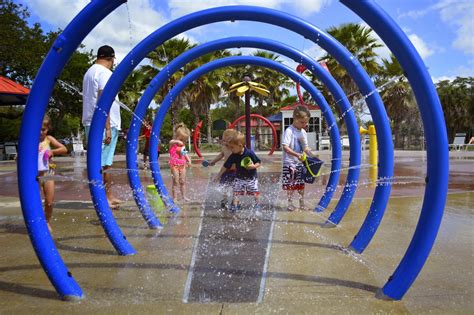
[
  {"x": 297, "y": 140},
  {"x": 94, "y": 81}
]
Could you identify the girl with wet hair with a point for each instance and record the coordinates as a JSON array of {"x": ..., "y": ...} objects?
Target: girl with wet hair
[
  {"x": 179, "y": 159},
  {"x": 46, "y": 167}
]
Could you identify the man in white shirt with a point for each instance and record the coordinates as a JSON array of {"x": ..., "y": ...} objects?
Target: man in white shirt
[{"x": 93, "y": 84}]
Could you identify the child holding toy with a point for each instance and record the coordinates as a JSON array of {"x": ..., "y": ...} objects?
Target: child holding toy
[
  {"x": 246, "y": 163},
  {"x": 295, "y": 146}
]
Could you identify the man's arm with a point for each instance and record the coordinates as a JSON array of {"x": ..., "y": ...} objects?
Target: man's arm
[{"x": 108, "y": 133}]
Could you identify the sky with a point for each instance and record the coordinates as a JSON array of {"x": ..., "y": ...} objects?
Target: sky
[{"x": 441, "y": 30}]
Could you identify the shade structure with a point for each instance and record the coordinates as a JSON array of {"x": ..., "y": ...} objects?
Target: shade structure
[{"x": 12, "y": 93}]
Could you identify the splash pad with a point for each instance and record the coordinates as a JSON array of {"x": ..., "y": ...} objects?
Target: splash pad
[{"x": 396, "y": 40}]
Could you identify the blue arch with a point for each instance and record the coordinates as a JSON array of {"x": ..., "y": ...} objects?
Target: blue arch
[
  {"x": 438, "y": 166},
  {"x": 278, "y": 18},
  {"x": 436, "y": 146},
  {"x": 38, "y": 99},
  {"x": 254, "y": 42},
  {"x": 190, "y": 77}
]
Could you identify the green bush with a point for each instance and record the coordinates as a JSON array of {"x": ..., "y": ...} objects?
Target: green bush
[{"x": 210, "y": 147}]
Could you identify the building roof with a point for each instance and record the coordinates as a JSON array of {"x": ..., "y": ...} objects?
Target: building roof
[
  {"x": 253, "y": 123},
  {"x": 292, "y": 107},
  {"x": 12, "y": 93},
  {"x": 276, "y": 118}
]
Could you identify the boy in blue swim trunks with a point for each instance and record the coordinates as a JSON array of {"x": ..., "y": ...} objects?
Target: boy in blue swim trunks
[{"x": 246, "y": 181}]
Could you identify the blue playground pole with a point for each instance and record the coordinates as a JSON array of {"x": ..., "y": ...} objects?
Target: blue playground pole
[
  {"x": 132, "y": 167},
  {"x": 191, "y": 54},
  {"x": 339, "y": 52},
  {"x": 232, "y": 61},
  {"x": 30, "y": 196},
  {"x": 262, "y": 43},
  {"x": 435, "y": 195},
  {"x": 436, "y": 146}
]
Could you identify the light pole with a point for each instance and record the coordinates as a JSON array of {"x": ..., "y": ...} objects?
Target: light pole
[{"x": 244, "y": 88}]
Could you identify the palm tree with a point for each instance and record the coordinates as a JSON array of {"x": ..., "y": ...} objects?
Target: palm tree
[
  {"x": 399, "y": 102},
  {"x": 159, "y": 58},
  {"x": 206, "y": 90},
  {"x": 359, "y": 40},
  {"x": 277, "y": 83},
  {"x": 135, "y": 84}
]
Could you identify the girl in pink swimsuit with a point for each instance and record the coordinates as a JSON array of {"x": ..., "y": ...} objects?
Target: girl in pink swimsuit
[
  {"x": 45, "y": 154},
  {"x": 179, "y": 159}
]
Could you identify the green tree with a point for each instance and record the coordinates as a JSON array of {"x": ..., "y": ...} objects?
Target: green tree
[
  {"x": 159, "y": 58},
  {"x": 277, "y": 84},
  {"x": 22, "y": 51},
  {"x": 457, "y": 100},
  {"x": 23, "y": 47},
  {"x": 400, "y": 103},
  {"x": 135, "y": 85},
  {"x": 206, "y": 90},
  {"x": 359, "y": 40}
]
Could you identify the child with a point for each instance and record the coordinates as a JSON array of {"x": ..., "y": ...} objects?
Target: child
[
  {"x": 178, "y": 160},
  {"x": 146, "y": 133},
  {"x": 45, "y": 155},
  {"x": 227, "y": 178},
  {"x": 246, "y": 180},
  {"x": 295, "y": 143}
]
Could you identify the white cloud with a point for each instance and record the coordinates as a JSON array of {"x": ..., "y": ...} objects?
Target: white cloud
[
  {"x": 308, "y": 7},
  {"x": 415, "y": 14},
  {"x": 314, "y": 51},
  {"x": 115, "y": 30},
  {"x": 420, "y": 46},
  {"x": 442, "y": 78},
  {"x": 182, "y": 7},
  {"x": 465, "y": 70},
  {"x": 459, "y": 13}
]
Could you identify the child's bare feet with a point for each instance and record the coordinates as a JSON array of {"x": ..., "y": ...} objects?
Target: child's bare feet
[
  {"x": 113, "y": 206},
  {"x": 302, "y": 207},
  {"x": 116, "y": 201}
]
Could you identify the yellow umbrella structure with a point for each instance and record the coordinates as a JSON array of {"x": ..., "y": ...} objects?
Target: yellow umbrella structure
[{"x": 243, "y": 88}]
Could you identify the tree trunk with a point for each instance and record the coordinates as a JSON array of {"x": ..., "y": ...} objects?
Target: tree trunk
[
  {"x": 174, "y": 115},
  {"x": 209, "y": 126}
]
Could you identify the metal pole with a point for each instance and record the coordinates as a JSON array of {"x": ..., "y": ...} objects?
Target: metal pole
[{"x": 247, "y": 119}]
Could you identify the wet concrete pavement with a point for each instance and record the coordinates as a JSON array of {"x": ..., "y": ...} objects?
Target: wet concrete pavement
[{"x": 308, "y": 269}]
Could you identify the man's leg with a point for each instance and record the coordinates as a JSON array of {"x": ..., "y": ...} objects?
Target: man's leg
[
  {"x": 108, "y": 152},
  {"x": 108, "y": 186}
]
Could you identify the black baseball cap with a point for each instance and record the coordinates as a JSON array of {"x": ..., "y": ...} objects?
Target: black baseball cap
[{"x": 105, "y": 52}]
